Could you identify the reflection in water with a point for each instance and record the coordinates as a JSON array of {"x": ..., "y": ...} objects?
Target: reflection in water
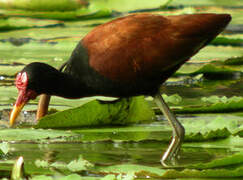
[{"x": 107, "y": 153}]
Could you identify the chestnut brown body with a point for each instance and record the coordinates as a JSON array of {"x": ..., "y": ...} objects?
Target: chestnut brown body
[{"x": 135, "y": 54}]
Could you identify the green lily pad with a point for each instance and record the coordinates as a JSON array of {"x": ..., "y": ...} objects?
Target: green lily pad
[
  {"x": 96, "y": 9},
  {"x": 207, "y": 3},
  {"x": 212, "y": 53},
  {"x": 43, "y": 5},
  {"x": 198, "y": 128},
  {"x": 234, "y": 159},
  {"x": 208, "y": 173},
  {"x": 233, "y": 143},
  {"x": 231, "y": 106},
  {"x": 128, "y": 5},
  {"x": 234, "y": 61},
  {"x": 31, "y": 134},
  {"x": 72, "y": 5},
  {"x": 227, "y": 41},
  {"x": 80, "y": 14},
  {"x": 210, "y": 69},
  {"x": 215, "y": 168},
  {"x": 24, "y": 23},
  {"x": 95, "y": 113}
]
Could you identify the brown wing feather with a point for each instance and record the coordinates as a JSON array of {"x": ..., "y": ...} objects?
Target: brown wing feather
[{"x": 129, "y": 48}]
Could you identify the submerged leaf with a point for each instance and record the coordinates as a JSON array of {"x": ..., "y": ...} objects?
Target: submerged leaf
[
  {"x": 174, "y": 99},
  {"x": 41, "y": 163},
  {"x": 79, "y": 165},
  {"x": 4, "y": 147},
  {"x": 132, "y": 168},
  {"x": 208, "y": 173}
]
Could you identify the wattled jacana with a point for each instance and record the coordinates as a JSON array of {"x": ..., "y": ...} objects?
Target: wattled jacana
[{"x": 126, "y": 57}]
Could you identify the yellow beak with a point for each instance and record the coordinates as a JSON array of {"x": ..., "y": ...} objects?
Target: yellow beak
[{"x": 15, "y": 112}]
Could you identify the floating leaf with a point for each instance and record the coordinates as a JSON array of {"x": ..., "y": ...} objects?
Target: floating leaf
[
  {"x": 211, "y": 69},
  {"x": 234, "y": 159},
  {"x": 208, "y": 173},
  {"x": 124, "y": 111},
  {"x": 212, "y": 53},
  {"x": 234, "y": 61},
  {"x": 127, "y": 5},
  {"x": 216, "y": 168},
  {"x": 206, "y": 3},
  {"x": 24, "y": 23},
  {"x": 31, "y": 134},
  {"x": 227, "y": 41},
  {"x": 43, "y": 5},
  {"x": 233, "y": 143},
  {"x": 220, "y": 107}
]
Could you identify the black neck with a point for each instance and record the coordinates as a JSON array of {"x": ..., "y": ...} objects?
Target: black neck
[{"x": 67, "y": 86}]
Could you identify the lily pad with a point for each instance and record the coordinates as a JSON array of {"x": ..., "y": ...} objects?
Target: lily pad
[
  {"x": 95, "y": 113},
  {"x": 72, "y": 5},
  {"x": 24, "y": 23},
  {"x": 61, "y": 5},
  {"x": 215, "y": 168},
  {"x": 31, "y": 134},
  {"x": 207, "y": 3},
  {"x": 232, "y": 106}
]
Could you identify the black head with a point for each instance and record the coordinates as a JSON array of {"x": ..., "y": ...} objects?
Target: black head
[
  {"x": 40, "y": 76},
  {"x": 35, "y": 79}
]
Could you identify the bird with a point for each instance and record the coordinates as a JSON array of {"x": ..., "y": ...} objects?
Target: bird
[{"x": 128, "y": 56}]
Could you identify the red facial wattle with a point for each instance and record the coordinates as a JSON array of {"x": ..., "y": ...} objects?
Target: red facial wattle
[{"x": 24, "y": 95}]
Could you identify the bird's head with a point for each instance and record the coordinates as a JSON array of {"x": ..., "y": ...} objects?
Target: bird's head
[
  {"x": 24, "y": 94},
  {"x": 32, "y": 81}
]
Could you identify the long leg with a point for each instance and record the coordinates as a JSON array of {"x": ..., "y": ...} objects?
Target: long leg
[
  {"x": 43, "y": 106},
  {"x": 178, "y": 130}
]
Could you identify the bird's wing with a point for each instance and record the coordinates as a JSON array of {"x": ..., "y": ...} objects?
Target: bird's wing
[{"x": 145, "y": 45}]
